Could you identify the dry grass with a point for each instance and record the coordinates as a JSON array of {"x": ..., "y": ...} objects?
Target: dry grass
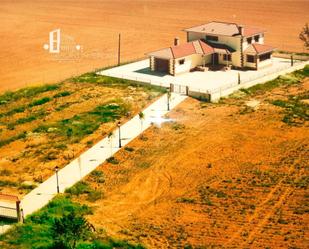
[
  {"x": 54, "y": 125},
  {"x": 220, "y": 179}
]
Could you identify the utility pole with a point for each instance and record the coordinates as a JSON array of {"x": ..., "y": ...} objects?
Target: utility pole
[{"x": 119, "y": 47}]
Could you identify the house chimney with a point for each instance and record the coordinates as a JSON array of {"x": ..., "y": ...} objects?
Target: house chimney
[
  {"x": 176, "y": 41},
  {"x": 241, "y": 29}
]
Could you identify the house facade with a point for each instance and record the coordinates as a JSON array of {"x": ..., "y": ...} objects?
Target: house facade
[{"x": 214, "y": 44}]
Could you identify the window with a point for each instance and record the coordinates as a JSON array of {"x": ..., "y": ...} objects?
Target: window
[
  {"x": 250, "y": 58},
  {"x": 264, "y": 57},
  {"x": 227, "y": 57},
  {"x": 182, "y": 61},
  {"x": 256, "y": 38},
  {"x": 211, "y": 38},
  {"x": 249, "y": 40}
]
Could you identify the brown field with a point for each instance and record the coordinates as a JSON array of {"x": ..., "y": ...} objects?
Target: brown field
[
  {"x": 54, "y": 131},
  {"x": 220, "y": 176},
  {"x": 145, "y": 26}
]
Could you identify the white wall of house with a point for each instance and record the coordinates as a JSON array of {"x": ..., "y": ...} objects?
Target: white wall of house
[
  {"x": 264, "y": 63},
  {"x": 246, "y": 44},
  {"x": 190, "y": 62},
  {"x": 233, "y": 42}
]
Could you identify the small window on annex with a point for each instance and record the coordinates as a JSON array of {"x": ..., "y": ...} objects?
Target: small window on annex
[
  {"x": 264, "y": 57},
  {"x": 249, "y": 40},
  {"x": 182, "y": 61},
  {"x": 250, "y": 58},
  {"x": 256, "y": 38}
]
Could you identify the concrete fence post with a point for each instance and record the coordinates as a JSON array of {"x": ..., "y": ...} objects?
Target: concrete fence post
[
  {"x": 18, "y": 211},
  {"x": 171, "y": 87},
  {"x": 187, "y": 90}
]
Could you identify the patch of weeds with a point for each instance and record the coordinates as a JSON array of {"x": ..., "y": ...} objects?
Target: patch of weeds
[
  {"x": 86, "y": 123},
  {"x": 143, "y": 165},
  {"x": 246, "y": 110},
  {"x": 62, "y": 94},
  {"x": 83, "y": 188},
  {"x": 51, "y": 155},
  {"x": 93, "y": 77},
  {"x": 6, "y": 183},
  {"x": 296, "y": 111},
  {"x": 13, "y": 138},
  {"x": 89, "y": 143},
  {"x": 185, "y": 200},
  {"x": 176, "y": 126},
  {"x": 79, "y": 189},
  {"x": 27, "y": 186},
  {"x": 130, "y": 149},
  {"x": 206, "y": 193},
  {"x": 34, "y": 116},
  {"x": 302, "y": 182},
  {"x": 5, "y": 172},
  {"x": 27, "y": 92},
  {"x": 97, "y": 176},
  {"x": 94, "y": 195},
  {"x": 112, "y": 160},
  {"x": 60, "y": 146},
  {"x": 40, "y": 101},
  {"x": 288, "y": 79}
]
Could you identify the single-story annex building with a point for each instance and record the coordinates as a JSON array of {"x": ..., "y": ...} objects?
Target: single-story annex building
[{"x": 211, "y": 45}]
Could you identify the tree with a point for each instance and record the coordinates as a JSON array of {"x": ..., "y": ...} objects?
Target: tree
[
  {"x": 304, "y": 36},
  {"x": 141, "y": 116},
  {"x": 70, "y": 229}
]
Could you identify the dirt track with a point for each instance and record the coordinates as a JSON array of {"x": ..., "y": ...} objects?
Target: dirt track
[{"x": 145, "y": 26}]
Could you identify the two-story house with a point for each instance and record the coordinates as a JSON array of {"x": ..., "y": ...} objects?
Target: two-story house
[{"x": 214, "y": 43}]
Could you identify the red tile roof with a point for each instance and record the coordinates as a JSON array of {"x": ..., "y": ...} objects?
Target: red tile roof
[
  {"x": 257, "y": 48},
  {"x": 250, "y": 31},
  {"x": 183, "y": 50},
  {"x": 206, "y": 48}
]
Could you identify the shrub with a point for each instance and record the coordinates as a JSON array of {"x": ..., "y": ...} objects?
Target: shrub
[
  {"x": 27, "y": 92},
  {"x": 62, "y": 94},
  {"x": 130, "y": 149},
  {"x": 185, "y": 200},
  {"x": 112, "y": 160},
  {"x": 79, "y": 188},
  {"x": 39, "y": 101}
]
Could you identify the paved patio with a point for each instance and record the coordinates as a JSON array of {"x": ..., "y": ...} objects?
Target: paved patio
[{"x": 199, "y": 81}]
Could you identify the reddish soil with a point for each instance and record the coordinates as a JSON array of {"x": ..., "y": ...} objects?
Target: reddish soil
[
  {"x": 220, "y": 176},
  {"x": 145, "y": 26}
]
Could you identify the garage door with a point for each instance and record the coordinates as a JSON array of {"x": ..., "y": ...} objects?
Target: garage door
[{"x": 162, "y": 65}]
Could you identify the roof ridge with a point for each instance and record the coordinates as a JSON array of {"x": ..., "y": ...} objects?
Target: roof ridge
[{"x": 171, "y": 48}]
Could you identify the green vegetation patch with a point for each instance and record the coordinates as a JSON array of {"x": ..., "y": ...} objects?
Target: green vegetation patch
[
  {"x": 86, "y": 123},
  {"x": 62, "y": 225},
  {"x": 83, "y": 188},
  {"x": 28, "y": 92},
  {"x": 295, "y": 109},
  {"x": 93, "y": 77},
  {"x": 12, "y": 139},
  {"x": 284, "y": 80}
]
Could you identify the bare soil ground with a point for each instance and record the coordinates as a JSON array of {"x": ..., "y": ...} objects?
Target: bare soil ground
[
  {"x": 52, "y": 127},
  {"x": 145, "y": 26},
  {"x": 227, "y": 175}
]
